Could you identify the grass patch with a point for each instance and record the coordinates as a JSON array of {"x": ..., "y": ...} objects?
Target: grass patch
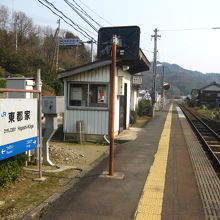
[
  {"x": 205, "y": 112},
  {"x": 25, "y": 194},
  {"x": 141, "y": 121}
]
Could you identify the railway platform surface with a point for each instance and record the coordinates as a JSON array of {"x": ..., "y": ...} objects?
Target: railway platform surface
[{"x": 162, "y": 179}]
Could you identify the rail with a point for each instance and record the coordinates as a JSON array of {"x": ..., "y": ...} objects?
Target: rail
[{"x": 209, "y": 138}]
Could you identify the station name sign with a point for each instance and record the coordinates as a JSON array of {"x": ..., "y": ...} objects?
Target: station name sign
[{"x": 18, "y": 126}]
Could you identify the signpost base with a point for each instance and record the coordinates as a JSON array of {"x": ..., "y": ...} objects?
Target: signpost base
[{"x": 117, "y": 175}]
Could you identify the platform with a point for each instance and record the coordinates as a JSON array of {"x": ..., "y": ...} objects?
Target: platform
[{"x": 163, "y": 179}]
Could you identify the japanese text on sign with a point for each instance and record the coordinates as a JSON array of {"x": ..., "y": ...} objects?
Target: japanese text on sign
[{"x": 17, "y": 117}]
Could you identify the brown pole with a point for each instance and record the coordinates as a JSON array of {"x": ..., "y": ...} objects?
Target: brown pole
[
  {"x": 19, "y": 90},
  {"x": 112, "y": 108}
]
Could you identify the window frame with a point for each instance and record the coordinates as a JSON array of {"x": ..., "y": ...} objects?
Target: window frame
[{"x": 70, "y": 107}]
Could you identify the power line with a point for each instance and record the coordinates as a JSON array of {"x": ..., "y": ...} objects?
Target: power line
[
  {"x": 96, "y": 13},
  {"x": 85, "y": 13},
  {"x": 81, "y": 31},
  {"x": 67, "y": 17},
  {"x": 74, "y": 9},
  {"x": 189, "y": 29}
]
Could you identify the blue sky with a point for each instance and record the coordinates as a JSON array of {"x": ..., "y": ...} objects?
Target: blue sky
[{"x": 192, "y": 49}]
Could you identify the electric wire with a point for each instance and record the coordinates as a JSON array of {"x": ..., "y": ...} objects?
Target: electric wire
[
  {"x": 96, "y": 13},
  {"x": 187, "y": 29},
  {"x": 67, "y": 17},
  {"x": 63, "y": 19},
  {"x": 79, "y": 8},
  {"x": 80, "y": 29},
  {"x": 74, "y": 9}
]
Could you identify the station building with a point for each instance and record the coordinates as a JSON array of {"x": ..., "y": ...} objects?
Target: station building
[{"x": 87, "y": 96}]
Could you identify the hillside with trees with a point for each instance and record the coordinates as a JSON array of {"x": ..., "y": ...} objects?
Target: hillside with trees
[
  {"x": 36, "y": 48},
  {"x": 181, "y": 80}
]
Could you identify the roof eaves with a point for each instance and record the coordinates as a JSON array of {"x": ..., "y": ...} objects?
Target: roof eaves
[{"x": 90, "y": 66}]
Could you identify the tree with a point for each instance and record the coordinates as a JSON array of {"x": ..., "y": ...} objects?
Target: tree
[
  {"x": 1, "y": 72},
  {"x": 36, "y": 49},
  {"x": 23, "y": 25},
  {"x": 4, "y": 15}
]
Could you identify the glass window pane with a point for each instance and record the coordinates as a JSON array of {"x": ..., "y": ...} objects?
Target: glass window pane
[
  {"x": 98, "y": 95},
  {"x": 78, "y": 95}
]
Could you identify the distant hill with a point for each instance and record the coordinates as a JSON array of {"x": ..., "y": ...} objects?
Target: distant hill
[{"x": 181, "y": 80}]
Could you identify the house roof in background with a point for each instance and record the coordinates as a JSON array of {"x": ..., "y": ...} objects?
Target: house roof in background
[{"x": 211, "y": 84}]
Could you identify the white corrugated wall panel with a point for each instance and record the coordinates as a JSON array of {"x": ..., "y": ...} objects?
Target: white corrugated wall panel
[{"x": 95, "y": 122}]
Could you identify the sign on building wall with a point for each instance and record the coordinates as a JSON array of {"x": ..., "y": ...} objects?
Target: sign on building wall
[{"x": 18, "y": 126}]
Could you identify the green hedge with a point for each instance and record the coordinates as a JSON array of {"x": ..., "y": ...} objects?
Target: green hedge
[
  {"x": 11, "y": 169},
  {"x": 144, "y": 108}
]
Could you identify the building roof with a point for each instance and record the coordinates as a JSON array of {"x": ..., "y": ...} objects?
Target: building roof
[
  {"x": 135, "y": 66},
  {"x": 20, "y": 78},
  {"x": 211, "y": 84},
  {"x": 83, "y": 68}
]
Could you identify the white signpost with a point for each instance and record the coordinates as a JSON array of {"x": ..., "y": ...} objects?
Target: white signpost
[{"x": 18, "y": 126}]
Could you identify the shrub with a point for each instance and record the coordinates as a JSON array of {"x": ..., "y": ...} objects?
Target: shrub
[
  {"x": 11, "y": 169},
  {"x": 133, "y": 117},
  {"x": 192, "y": 103},
  {"x": 17, "y": 75},
  {"x": 144, "y": 108},
  {"x": 2, "y": 83}
]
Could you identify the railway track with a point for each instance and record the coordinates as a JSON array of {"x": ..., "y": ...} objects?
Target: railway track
[{"x": 209, "y": 138}]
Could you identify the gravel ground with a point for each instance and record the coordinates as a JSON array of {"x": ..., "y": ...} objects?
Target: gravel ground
[{"x": 70, "y": 154}]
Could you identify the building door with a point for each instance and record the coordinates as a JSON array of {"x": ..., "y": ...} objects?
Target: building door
[{"x": 122, "y": 109}]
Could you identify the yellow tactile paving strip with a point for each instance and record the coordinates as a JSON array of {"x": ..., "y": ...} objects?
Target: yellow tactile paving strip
[{"x": 150, "y": 204}]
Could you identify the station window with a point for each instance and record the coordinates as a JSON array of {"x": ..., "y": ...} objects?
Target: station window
[{"x": 88, "y": 95}]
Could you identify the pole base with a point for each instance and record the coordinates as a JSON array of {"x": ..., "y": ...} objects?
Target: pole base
[
  {"x": 42, "y": 179},
  {"x": 117, "y": 175}
]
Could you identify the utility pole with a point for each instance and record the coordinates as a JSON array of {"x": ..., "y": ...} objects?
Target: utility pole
[
  {"x": 155, "y": 36},
  {"x": 162, "y": 89},
  {"x": 57, "y": 54},
  {"x": 91, "y": 50},
  {"x": 16, "y": 32},
  {"x": 112, "y": 107},
  {"x": 92, "y": 59}
]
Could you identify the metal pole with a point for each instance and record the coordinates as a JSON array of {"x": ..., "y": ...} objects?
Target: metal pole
[
  {"x": 40, "y": 135},
  {"x": 155, "y": 36},
  {"x": 75, "y": 61},
  {"x": 16, "y": 32},
  {"x": 58, "y": 46},
  {"x": 162, "y": 89},
  {"x": 92, "y": 59},
  {"x": 112, "y": 107},
  {"x": 38, "y": 85}
]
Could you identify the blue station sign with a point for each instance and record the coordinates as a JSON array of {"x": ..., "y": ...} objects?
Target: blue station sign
[{"x": 18, "y": 126}]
